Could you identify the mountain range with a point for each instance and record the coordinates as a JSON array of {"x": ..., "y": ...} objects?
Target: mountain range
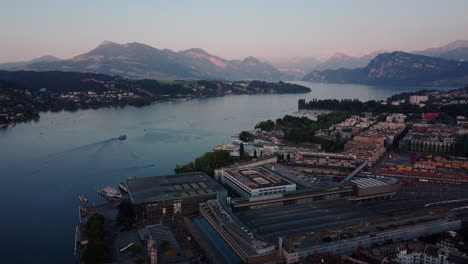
[
  {"x": 399, "y": 68},
  {"x": 12, "y": 65},
  {"x": 140, "y": 61}
]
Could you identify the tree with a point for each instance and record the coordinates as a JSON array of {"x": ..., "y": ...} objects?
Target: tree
[
  {"x": 136, "y": 249},
  {"x": 140, "y": 260},
  {"x": 246, "y": 136},
  {"x": 338, "y": 136},
  {"x": 268, "y": 125},
  {"x": 241, "y": 151},
  {"x": 165, "y": 244},
  {"x": 126, "y": 215},
  {"x": 207, "y": 163}
]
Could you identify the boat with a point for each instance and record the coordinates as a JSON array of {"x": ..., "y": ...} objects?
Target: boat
[
  {"x": 259, "y": 144},
  {"x": 226, "y": 147},
  {"x": 123, "y": 188},
  {"x": 83, "y": 199},
  {"x": 122, "y": 137},
  {"x": 110, "y": 193},
  {"x": 239, "y": 142}
]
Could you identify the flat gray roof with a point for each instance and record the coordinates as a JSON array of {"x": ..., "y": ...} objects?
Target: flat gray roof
[{"x": 168, "y": 187}]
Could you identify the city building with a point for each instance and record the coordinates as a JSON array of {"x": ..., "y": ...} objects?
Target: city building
[
  {"x": 159, "y": 198},
  {"x": 417, "y": 99},
  {"x": 429, "y": 138},
  {"x": 411, "y": 253},
  {"x": 257, "y": 181},
  {"x": 368, "y": 149},
  {"x": 396, "y": 118},
  {"x": 323, "y": 159},
  {"x": 248, "y": 164},
  {"x": 453, "y": 242}
]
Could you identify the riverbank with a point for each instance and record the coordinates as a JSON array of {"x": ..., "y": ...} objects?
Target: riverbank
[{"x": 23, "y": 102}]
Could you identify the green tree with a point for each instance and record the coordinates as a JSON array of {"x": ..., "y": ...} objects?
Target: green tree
[
  {"x": 165, "y": 244},
  {"x": 246, "y": 136},
  {"x": 207, "y": 163},
  {"x": 140, "y": 260},
  {"x": 126, "y": 215},
  {"x": 241, "y": 151},
  {"x": 136, "y": 249},
  {"x": 268, "y": 125},
  {"x": 96, "y": 251}
]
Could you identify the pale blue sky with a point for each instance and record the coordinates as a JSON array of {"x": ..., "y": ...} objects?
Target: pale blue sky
[{"x": 230, "y": 29}]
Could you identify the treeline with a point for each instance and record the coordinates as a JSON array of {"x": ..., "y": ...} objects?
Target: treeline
[
  {"x": 355, "y": 106},
  {"x": 207, "y": 163},
  {"x": 302, "y": 129},
  {"x": 406, "y": 95},
  {"x": 64, "y": 82},
  {"x": 279, "y": 87},
  {"x": 96, "y": 251}
]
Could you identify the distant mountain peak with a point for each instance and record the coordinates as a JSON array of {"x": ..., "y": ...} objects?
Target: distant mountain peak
[
  {"x": 341, "y": 55},
  {"x": 196, "y": 50},
  {"x": 438, "y": 51},
  {"x": 107, "y": 42},
  {"x": 251, "y": 59}
]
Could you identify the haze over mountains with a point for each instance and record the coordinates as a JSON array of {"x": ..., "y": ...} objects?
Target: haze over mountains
[
  {"x": 12, "y": 65},
  {"x": 139, "y": 61}
]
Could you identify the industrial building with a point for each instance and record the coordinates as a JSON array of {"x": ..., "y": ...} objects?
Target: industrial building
[
  {"x": 159, "y": 198},
  {"x": 257, "y": 181},
  {"x": 356, "y": 189},
  {"x": 323, "y": 159},
  {"x": 291, "y": 198},
  {"x": 346, "y": 239},
  {"x": 371, "y": 188},
  {"x": 250, "y": 247}
]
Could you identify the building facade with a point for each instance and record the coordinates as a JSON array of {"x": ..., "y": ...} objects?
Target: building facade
[{"x": 257, "y": 181}]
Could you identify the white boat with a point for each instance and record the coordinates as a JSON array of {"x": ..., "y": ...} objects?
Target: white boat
[
  {"x": 226, "y": 147},
  {"x": 110, "y": 193},
  {"x": 123, "y": 188},
  {"x": 83, "y": 199},
  {"x": 238, "y": 142}
]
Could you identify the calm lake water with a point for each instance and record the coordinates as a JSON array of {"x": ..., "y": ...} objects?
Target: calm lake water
[{"x": 45, "y": 165}]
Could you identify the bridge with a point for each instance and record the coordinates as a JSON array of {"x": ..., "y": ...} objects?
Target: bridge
[{"x": 355, "y": 172}]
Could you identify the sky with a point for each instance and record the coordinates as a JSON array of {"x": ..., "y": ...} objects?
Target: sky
[{"x": 269, "y": 29}]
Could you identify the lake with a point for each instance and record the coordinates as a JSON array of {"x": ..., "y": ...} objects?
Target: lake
[{"x": 46, "y": 164}]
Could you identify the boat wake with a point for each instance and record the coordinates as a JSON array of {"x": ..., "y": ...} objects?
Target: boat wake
[{"x": 59, "y": 154}]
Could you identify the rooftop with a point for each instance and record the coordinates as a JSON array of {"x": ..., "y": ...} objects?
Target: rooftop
[
  {"x": 168, "y": 187},
  {"x": 371, "y": 182},
  {"x": 259, "y": 177}
]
